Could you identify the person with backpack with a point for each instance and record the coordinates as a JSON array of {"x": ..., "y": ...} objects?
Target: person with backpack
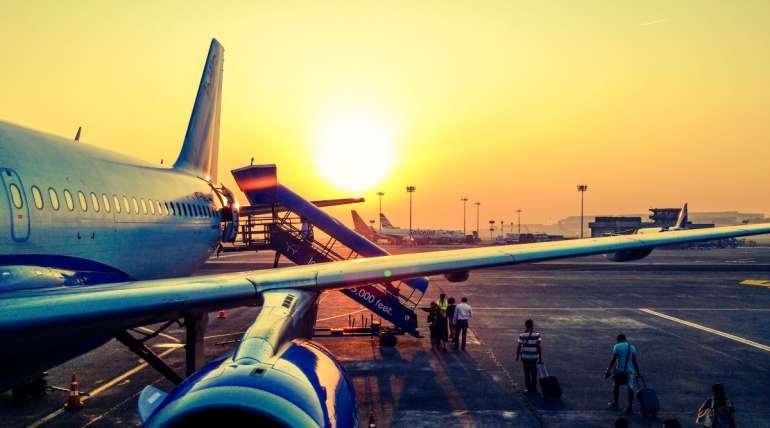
[
  {"x": 717, "y": 411},
  {"x": 530, "y": 352},
  {"x": 624, "y": 369}
]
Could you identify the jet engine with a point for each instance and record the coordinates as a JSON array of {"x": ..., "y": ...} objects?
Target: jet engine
[
  {"x": 460, "y": 276},
  {"x": 301, "y": 386},
  {"x": 629, "y": 255}
]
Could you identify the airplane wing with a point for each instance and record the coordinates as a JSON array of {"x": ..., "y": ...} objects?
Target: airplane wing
[{"x": 130, "y": 304}]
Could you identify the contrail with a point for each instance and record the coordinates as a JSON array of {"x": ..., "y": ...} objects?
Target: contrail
[{"x": 657, "y": 21}]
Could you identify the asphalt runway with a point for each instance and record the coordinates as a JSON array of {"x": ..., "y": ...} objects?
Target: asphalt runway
[{"x": 693, "y": 321}]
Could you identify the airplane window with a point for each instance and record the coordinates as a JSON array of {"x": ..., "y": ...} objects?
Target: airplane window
[
  {"x": 54, "y": 198},
  {"x": 160, "y": 208},
  {"x": 37, "y": 197},
  {"x": 116, "y": 202},
  {"x": 68, "y": 200},
  {"x": 106, "y": 202},
  {"x": 95, "y": 202},
  {"x": 186, "y": 209},
  {"x": 173, "y": 209},
  {"x": 144, "y": 205},
  {"x": 16, "y": 196},
  {"x": 152, "y": 206},
  {"x": 126, "y": 206},
  {"x": 135, "y": 204},
  {"x": 82, "y": 201}
]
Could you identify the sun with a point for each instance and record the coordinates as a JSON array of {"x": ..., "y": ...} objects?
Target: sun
[{"x": 354, "y": 151}]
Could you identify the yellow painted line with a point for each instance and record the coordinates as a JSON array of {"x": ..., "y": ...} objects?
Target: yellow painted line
[
  {"x": 100, "y": 389},
  {"x": 707, "y": 329},
  {"x": 758, "y": 282},
  {"x": 169, "y": 337}
]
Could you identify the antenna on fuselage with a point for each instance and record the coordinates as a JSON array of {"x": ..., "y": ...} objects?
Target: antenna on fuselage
[{"x": 77, "y": 134}]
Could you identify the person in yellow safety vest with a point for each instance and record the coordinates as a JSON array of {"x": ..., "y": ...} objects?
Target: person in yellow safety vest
[{"x": 442, "y": 304}]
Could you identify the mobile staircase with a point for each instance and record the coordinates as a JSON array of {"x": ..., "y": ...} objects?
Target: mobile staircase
[{"x": 280, "y": 220}]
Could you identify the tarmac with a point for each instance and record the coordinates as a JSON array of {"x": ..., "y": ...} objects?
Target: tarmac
[{"x": 690, "y": 313}]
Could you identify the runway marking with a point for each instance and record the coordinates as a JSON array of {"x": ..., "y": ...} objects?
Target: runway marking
[
  {"x": 707, "y": 329},
  {"x": 100, "y": 389},
  {"x": 341, "y": 315},
  {"x": 169, "y": 337},
  {"x": 758, "y": 282}
]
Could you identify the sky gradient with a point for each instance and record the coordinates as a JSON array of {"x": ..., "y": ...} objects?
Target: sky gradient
[{"x": 510, "y": 103}]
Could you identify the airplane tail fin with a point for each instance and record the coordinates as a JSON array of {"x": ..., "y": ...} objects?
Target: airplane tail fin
[
  {"x": 361, "y": 226},
  {"x": 681, "y": 220},
  {"x": 385, "y": 222},
  {"x": 200, "y": 151}
]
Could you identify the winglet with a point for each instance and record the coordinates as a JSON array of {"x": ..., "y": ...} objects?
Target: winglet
[
  {"x": 681, "y": 220},
  {"x": 200, "y": 151}
]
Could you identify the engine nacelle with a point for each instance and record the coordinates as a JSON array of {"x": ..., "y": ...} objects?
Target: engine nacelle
[
  {"x": 460, "y": 276},
  {"x": 302, "y": 386},
  {"x": 629, "y": 255}
]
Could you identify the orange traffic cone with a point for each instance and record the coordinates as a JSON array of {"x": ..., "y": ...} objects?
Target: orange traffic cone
[
  {"x": 74, "y": 402},
  {"x": 221, "y": 315}
]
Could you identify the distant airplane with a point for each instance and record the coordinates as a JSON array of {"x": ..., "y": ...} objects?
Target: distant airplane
[
  {"x": 94, "y": 244},
  {"x": 397, "y": 235}
]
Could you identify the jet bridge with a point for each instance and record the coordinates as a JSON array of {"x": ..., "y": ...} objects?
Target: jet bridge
[{"x": 289, "y": 226}]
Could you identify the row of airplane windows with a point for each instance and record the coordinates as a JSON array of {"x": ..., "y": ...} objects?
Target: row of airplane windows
[{"x": 129, "y": 206}]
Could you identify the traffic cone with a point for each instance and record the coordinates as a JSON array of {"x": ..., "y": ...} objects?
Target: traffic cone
[
  {"x": 74, "y": 402},
  {"x": 221, "y": 315}
]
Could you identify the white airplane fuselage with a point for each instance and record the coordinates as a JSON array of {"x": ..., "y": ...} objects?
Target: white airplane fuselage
[{"x": 126, "y": 217}]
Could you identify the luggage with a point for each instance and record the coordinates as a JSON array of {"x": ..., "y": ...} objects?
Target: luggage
[
  {"x": 648, "y": 400},
  {"x": 549, "y": 385}
]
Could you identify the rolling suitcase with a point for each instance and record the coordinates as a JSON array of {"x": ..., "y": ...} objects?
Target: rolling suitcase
[
  {"x": 549, "y": 385},
  {"x": 648, "y": 400}
]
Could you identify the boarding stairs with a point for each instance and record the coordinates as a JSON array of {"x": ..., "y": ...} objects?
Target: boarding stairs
[{"x": 298, "y": 230}]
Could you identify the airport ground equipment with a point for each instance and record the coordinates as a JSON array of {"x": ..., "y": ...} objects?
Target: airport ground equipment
[
  {"x": 289, "y": 228},
  {"x": 368, "y": 326}
]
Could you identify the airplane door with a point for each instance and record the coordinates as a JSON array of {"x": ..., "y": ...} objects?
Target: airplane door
[{"x": 17, "y": 204}]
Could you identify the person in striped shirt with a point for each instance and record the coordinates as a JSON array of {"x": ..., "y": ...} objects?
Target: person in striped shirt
[{"x": 530, "y": 352}]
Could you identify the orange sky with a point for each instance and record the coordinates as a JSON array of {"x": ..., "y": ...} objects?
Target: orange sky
[{"x": 509, "y": 103}]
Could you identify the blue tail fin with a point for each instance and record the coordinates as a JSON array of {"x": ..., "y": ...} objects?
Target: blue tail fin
[{"x": 200, "y": 151}]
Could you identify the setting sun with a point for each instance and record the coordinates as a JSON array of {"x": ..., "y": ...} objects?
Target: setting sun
[{"x": 354, "y": 151}]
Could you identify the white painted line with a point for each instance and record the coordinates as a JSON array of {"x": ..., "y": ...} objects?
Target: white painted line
[{"x": 707, "y": 329}]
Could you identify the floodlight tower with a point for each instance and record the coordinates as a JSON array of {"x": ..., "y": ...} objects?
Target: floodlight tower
[
  {"x": 491, "y": 229},
  {"x": 380, "y": 194},
  {"x": 410, "y": 190},
  {"x": 518, "y": 212},
  {"x": 465, "y": 202},
  {"x": 477, "y": 221},
  {"x": 582, "y": 189}
]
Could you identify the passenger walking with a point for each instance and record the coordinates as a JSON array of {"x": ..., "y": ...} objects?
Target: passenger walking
[
  {"x": 717, "y": 411},
  {"x": 433, "y": 314},
  {"x": 624, "y": 369},
  {"x": 461, "y": 316},
  {"x": 450, "y": 315},
  {"x": 530, "y": 352}
]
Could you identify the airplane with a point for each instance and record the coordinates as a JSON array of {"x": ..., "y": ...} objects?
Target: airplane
[
  {"x": 397, "y": 235},
  {"x": 94, "y": 244}
]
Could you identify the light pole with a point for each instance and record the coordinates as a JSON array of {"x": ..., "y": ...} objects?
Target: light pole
[
  {"x": 502, "y": 229},
  {"x": 380, "y": 194},
  {"x": 410, "y": 190},
  {"x": 582, "y": 189},
  {"x": 465, "y": 202},
  {"x": 518, "y": 211},
  {"x": 491, "y": 229},
  {"x": 478, "y": 231}
]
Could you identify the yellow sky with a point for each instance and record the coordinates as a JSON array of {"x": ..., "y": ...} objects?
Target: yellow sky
[{"x": 510, "y": 103}]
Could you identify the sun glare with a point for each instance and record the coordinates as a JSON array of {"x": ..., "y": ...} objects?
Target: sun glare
[{"x": 354, "y": 151}]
